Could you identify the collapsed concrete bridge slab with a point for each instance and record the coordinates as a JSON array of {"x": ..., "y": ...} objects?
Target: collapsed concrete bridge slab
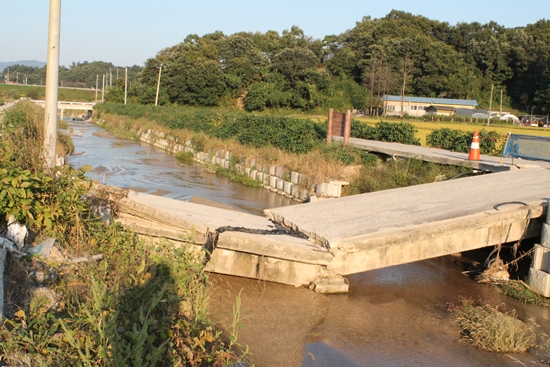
[
  {"x": 392, "y": 227},
  {"x": 315, "y": 244}
]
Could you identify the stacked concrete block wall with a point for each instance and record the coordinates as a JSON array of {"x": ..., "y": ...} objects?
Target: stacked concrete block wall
[
  {"x": 275, "y": 178},
  {"x": 539, "y": 273}
]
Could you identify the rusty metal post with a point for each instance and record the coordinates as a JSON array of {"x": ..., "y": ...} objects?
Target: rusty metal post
[
  {"x": 329, "y": 127},
  {"x": 347, "y": 128}
]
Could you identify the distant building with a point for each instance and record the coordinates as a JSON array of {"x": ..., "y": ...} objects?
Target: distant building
[{"x": 419, "y": 106}]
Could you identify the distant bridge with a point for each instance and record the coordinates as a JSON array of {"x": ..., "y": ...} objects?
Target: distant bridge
[{"x": 61, "y": 105}]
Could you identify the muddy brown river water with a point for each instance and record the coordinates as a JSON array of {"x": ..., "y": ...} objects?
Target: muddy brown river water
[{"x": 391, "y": 317}]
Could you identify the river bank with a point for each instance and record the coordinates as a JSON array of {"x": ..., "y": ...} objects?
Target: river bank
[{"x": 392, "y": 317}]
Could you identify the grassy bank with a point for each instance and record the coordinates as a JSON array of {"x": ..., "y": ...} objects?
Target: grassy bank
[
  {"x": 209, "y": 130},
  {"x": 144, "y": 303}
]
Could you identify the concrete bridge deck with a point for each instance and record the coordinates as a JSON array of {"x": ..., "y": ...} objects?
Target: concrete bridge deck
[
  {"x": 486, "y": 163},
  {"x": 354, "y": 234},
  {"x": 62, "y": 105}
]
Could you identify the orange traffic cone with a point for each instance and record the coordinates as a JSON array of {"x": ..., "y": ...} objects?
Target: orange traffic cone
[{"x": 474, "y": 148}]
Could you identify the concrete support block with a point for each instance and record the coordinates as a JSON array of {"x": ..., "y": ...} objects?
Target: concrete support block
[
  {"x": 227, "y": 155},
  {"x": 296, "y": 178},
  {"x": 273, "y": 181},
  {"x": 287, "y": 187},
  {"x": 335, "y": 284},
  {"x": 280, "y": 172},
  {"x": 334, "y": 188},
  {"x": 280, "y": 184},
  {"x": 539, "y": 281},
  {"x": 253, "y": 174},
  {"x": 304, "y": 194},
  {"x": 545, "y": 235},
  {"x": 247, "y": 162},
  {"x": 226, "y": 164},
  {"x": 247, "y": 171},
  {"x": 541, "y": 258},
  {"x": 237, "y": 168},
  {"x": 321, "y": 189},
  {"x": 252, "y": 163},
  {"x": 272, "y": 170},
  {"x": 267, "y": 179}
]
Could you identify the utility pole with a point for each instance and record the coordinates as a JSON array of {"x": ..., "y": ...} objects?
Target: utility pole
[
  {"x": 96, "y": 85},
  {"x": 158, "y": 86},
  {"x": 103, "y": 90},
  {"x": 110, "y": 78},
  {"x": 8, "y": 74},
  {"x": 490, "y": 104},
  {"x": 52, "y": 78},
  {"x": 500, "y": 114},
  {"x": 125, "y": 85},
  {"x": 117, "y": 73}
]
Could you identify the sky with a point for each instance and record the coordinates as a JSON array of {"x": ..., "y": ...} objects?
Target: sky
[{"x": 128, "y": 32}]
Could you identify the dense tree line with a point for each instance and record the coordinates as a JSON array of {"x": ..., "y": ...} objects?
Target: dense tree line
[
  {"x": 80, "y": 75},
  {"x": 399, "y": 52}
]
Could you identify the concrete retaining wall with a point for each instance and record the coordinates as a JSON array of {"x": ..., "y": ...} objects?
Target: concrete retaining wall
[{"x": 275, "y": 178}]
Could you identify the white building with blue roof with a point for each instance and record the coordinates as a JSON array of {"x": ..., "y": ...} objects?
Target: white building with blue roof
[{"x": 419, "y": 106}]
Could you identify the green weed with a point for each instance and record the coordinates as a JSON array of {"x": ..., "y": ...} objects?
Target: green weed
[{"x": 486, "y": 327}]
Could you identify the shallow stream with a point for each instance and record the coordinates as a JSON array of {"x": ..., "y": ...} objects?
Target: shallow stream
[{"x": 391, "y": 317}]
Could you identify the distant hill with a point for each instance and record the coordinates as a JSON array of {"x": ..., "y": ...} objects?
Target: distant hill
[{"x": 34, "y": 63}]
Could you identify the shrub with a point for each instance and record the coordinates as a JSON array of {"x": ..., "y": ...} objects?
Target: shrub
[
  {"x": 290, "y": 134},
  {"x": 184, "y": 156},
  {"x": 392, "y": 132},
  {"x": 486, "y": 327},
  {"x": 460, "y": 141}
]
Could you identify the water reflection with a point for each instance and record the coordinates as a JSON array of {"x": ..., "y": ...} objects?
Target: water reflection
[{"x": 129, "y": 164}]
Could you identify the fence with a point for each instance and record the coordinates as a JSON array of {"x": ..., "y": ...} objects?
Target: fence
[{"x": 527, "y": 147}]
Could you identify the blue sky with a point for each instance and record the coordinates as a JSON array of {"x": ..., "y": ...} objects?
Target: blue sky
[{"x": 128, "y": 32}]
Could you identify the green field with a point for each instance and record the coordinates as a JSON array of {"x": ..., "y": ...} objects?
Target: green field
[{"x": 9, "y": 92}]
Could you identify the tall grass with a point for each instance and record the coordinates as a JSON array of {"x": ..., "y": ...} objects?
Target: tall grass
[
  {"x": 486, "y": 327},
  {"x": 143, "y": 304}
]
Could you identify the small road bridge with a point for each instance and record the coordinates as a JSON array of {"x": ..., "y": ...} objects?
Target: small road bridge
[
  {"x": 62, "y": 106},
  {"x": 319, "y": 243}
]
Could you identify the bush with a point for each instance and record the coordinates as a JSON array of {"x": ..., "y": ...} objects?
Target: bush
[
  {"x": 290, "y": 134},
  {"x": 486, "y": 327},
  {"x": 460, "y": 141},
  {"x": 391, "y": 132}
]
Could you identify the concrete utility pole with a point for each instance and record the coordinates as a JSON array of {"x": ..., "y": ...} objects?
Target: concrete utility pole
[
  {"x": 158, "y": 86},
  {"x": 96, "y": 85},
  {"x": 490, "y": 104},
  {"x": 52, "y": 78},
  {"x": 103, "y": 90},
  {"x": 500, "y": 115},
  {"x": 125, "y": 85},
  {"x": 110, "y": 78}
]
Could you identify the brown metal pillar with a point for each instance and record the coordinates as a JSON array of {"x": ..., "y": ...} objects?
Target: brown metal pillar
[
  {"x": 329, "y": 127},
  {"x": 347, "y": 127}
]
